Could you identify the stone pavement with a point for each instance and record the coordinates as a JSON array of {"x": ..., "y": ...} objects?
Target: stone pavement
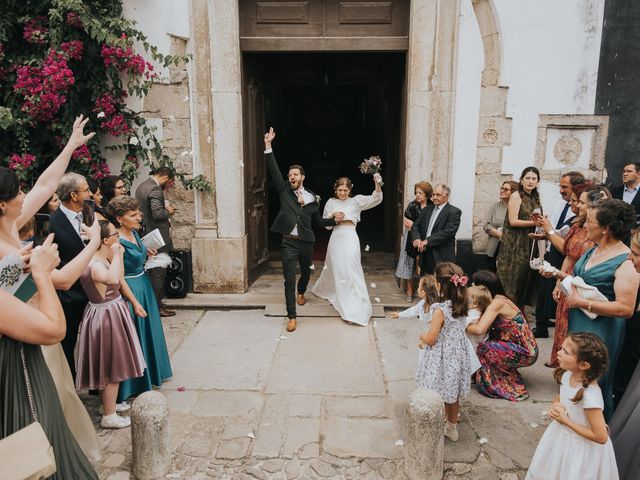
[{"x": 249, "y": 400}]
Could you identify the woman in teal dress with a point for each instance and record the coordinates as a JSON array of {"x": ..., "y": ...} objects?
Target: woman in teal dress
[
  {"x": 606, "y": 267},
  {"x": 124, "y": 210}
]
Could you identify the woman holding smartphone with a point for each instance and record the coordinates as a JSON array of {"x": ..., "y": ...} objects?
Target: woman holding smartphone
[{"x": 523, "y": 213}]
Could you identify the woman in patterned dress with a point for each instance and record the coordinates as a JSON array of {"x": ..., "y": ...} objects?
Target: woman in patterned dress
[
  {"x": 515, "y": 246},
  {"x": 511, "y": 344},
  {"x": 406, "y": 269},
  {"x": 573, "y": 247}
]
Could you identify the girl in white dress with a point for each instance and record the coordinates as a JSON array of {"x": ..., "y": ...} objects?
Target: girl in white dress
[
  {"x": 342, "y": 279},
  {"x": 445, "y": 366},
  {"x": 576, "y": 444}
]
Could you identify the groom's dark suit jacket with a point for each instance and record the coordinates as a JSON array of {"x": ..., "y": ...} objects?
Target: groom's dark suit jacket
[
  {"x": 442, "y": 241},
  {"x": 291, "y": 213}
]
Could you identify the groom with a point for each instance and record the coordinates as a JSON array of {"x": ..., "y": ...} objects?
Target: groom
[{"x": 299, "y": 211}]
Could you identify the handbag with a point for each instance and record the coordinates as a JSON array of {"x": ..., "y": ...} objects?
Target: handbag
[
  {"x": 29, "y": 448},
  {"x": 535, "y": 263}
]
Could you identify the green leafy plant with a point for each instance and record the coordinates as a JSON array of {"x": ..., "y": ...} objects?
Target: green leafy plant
[{"x": 59, "y": 58}]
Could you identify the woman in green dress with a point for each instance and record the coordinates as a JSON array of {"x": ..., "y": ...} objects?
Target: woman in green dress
[
  {"x": 606, "y": 267},
  {"x": 146, "y": 314},
  {"x": 23, "y": 329},
  {"x": 513, "y": 268}
]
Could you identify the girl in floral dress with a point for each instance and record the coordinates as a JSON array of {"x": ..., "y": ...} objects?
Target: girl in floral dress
[{"x": 445, "y": 366}]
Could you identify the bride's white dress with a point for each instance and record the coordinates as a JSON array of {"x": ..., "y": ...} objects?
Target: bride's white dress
[{"x": 342, "y": 279}]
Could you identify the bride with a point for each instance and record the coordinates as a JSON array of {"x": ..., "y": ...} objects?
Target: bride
[{"x": 342, "y": 279}]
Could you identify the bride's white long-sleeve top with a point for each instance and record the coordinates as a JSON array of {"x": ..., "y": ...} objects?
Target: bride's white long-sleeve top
[{"x": 342, "y": 279}]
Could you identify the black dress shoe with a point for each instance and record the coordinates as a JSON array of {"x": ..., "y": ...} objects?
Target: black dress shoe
[{"x": 540, "y": 333}]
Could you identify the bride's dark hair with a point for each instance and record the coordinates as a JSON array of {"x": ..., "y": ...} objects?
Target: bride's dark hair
[{"x": 342, "y": 181}]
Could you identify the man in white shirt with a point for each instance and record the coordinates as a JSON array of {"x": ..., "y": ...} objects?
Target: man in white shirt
[
  {"x": 66, "y": 224},
  {"x": 628, "y": 191}
]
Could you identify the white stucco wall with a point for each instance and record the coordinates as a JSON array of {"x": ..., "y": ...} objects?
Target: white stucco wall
[
  {"x": 550, "y": 65},
  {"x": 467, "y": 106}
]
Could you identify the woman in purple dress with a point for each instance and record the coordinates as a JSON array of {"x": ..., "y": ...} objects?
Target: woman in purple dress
[{"x": 109, "y": 349}]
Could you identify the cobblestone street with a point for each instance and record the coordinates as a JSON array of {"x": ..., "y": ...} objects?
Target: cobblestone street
[{"x": 249, "y": 400}]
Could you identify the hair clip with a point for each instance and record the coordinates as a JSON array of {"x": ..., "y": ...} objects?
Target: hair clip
[{"x": 458, "y": 280}]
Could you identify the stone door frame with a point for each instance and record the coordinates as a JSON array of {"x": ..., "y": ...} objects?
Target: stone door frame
[{"x": 219, "y": 248}]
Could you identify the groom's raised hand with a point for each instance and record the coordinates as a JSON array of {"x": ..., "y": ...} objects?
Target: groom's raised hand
[{"x": 268, "y": 138}]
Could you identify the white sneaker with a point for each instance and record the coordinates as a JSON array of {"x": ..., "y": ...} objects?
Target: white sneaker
[
  {"x": 120, "y": 408},
  {"x": 451, "y": 431},
  {"x": 115, "y": 421}
]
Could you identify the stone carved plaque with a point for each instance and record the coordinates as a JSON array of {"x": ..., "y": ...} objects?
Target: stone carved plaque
[
  {"x": 567, "y": 149},
  {"x": 490, "y": 136}
]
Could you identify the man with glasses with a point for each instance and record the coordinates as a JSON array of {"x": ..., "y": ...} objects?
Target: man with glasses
[
  {"x": 560, "y": 220},
  {"x": 66, "y": 224}
]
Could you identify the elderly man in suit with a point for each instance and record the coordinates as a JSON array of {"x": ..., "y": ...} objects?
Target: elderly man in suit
[
  {"x": 156, "y": 214},
  {"x": 66, "y": 223},
  {"x": 628, "y": 191},
  {"x": 299, "y": 212},
  {"x": 434, "y": 232}
]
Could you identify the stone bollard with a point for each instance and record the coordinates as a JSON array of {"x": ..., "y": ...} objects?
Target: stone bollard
[
  {"x": 150, "y": 436},
  {"x": 424, "y": 445}
]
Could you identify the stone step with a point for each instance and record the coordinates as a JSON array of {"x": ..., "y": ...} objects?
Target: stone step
[{"x": 279, "y": 310}]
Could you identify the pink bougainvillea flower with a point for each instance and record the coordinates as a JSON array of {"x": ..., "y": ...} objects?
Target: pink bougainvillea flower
[
  {"x": 73, "y": 20},
  {"x": 22, "y": 162},
  {"x": 35, "y": 31}
]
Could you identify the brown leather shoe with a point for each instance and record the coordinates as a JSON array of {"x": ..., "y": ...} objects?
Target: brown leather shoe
[
  {"x": 292, "y": 325},
  {"x": 301, "y": 299},
  {"x": 166, "y": 312}
]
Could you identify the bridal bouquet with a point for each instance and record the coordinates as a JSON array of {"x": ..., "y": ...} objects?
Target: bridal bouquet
[{"x": 372, "y": 165}]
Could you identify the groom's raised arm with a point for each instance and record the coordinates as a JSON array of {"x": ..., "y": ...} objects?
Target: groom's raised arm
[{"x": 274, "y": 170}]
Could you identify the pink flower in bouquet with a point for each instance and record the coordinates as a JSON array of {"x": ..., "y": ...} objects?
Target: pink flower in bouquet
[{"x": 372, "y": 166}]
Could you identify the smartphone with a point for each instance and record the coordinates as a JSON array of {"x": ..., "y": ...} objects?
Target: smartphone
[
  {"x": 41, "y": 228},
  {"x": 88, "y": 212}
]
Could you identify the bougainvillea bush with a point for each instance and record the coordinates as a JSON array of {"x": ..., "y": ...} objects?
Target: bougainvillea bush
[{"x": 60, "y": 58}]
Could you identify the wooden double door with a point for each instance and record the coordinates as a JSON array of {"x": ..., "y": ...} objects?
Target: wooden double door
[{"x": 330, "y": 111}]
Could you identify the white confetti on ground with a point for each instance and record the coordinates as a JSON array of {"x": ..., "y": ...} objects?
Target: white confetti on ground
[
  {"x": 367, "y": 248},
  {"x": 172, "y": 118},
  {"x": 241, "y": 164},
  {"x": 312, "y": 267},
  {"x": 399, "y": 443},
  {"x": 533, "y": 424},
  {"x": 377, "y": 299},
  {"x": 324, "y": 268},
  {"x": 186, "y": 98},
  {"x": 251, "y": 435},
  {"x": 184, "y": 154},
  {"x": 373, "y": 285},
  {"x": 482, "y": 441},
  {"x": 101, "y": 115},
  {"x": 375, "y": 324},
  {"x": 208, "y": 138},
  {"x": 134, "y": 141},
  {"x": 283, "y": 337}
]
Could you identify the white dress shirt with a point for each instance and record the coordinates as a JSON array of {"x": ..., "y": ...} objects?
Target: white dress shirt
[
  {"x": 74, "y": 217},
  {"x": 308, "y": 198},
  {"x": 434, "y": 217},
  {"x": 628, "y": 194}
]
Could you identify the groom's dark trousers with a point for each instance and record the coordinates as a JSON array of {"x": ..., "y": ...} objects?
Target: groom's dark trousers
[
  {"x": 295, "y": 251},
  {"x": 298, "y": 248}
]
